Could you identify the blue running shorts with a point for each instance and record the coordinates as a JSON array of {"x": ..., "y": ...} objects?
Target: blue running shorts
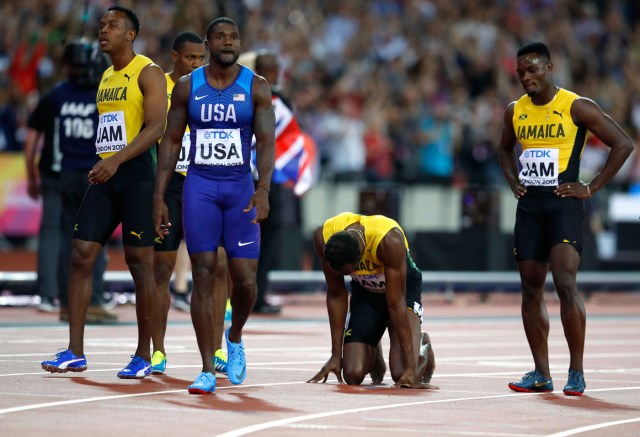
[{"x": 213, "y": 214}]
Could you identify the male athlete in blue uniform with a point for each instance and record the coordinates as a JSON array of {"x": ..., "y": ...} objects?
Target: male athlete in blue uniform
[{"x": 224, "y": 104}]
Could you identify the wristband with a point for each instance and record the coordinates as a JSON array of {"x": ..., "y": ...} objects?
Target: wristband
[{"x": 264, "y": 187}]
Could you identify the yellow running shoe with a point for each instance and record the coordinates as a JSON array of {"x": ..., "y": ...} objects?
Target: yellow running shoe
[
  {"x": 227, "y": 311},
  {"x": 158, "y": 363},
  {"x": 220, "y": 362}
]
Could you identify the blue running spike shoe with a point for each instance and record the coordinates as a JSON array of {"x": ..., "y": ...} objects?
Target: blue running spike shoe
[
  {"x": 158, "y": 363},
  {"x": 138, "y": 368},
  {"x": 532, "y": 382},
  {"x": 220, "y": 362},
  {"x": 575, "y": 385},
  {"x": 205, "y": 383},
  {"x": 65, "y": 361},
  {"x": 237, "y": 363}
]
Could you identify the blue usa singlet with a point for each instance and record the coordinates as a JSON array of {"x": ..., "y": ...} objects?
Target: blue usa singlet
[
  {"x": 221, "y": 123},
  {"x": 219, "y": 184}
]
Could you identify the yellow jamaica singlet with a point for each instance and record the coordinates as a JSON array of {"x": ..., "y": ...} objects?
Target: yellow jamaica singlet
[
  {"x": 370, "y": 273},
  {"x": 120, "y": 105},
  {"x": 551, "y": 143},
  {"x": 183, "y": 160}
]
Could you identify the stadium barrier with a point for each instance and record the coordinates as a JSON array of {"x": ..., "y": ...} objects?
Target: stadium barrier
[{"x": 447, "y": 282}]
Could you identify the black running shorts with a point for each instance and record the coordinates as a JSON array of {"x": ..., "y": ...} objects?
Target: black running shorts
[
  {"x": 173, "y": 199},
  {"x": 544, "y": 220},
  {"x": 369, "y": 314},
  {"x": 126, "y": 198}
]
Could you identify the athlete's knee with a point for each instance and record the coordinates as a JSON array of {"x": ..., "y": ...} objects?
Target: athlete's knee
[
  {"x": 246, "y": 284},
  {"x": 565, "y": 283},
  {"x": 568, "y": 292},
  {"x": 140, "y": 264},
  {"x": 532, "y": 293},
  {"x": 353, "y": 374},
  {"x": 83, "y": 256},
  {"x": 162, "y": 272},
  {"x": 396, "y": 373},
  {"x": 202, "y": 268}
]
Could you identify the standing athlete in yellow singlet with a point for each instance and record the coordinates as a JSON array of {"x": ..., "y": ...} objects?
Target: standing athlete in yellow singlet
[
  {"x": 551, "y": 125},
  {"x": 132, "y": 107}
]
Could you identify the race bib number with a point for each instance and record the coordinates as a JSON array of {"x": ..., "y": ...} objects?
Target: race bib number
[
  {"x": 218, "y": 147},
  {"x": 183, "y": 160},
  {"x": 539, "y": 167},
  {"x": 374, "y": 283},
  {"x": 112, "y": 132}
]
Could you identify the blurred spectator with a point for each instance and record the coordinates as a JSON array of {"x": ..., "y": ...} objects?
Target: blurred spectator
[
  {"x": 361, "y": 74},
  {"x": 59, "y": 152},
  {"x": 439, "y": 138},
  {"x": 9, "y": 134}
]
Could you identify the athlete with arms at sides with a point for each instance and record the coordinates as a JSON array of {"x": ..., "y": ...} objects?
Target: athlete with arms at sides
[
  {"x": 132, "y": 107},
  {"x": 224, "y": 104},
  {"x": 551, "y": 125}
]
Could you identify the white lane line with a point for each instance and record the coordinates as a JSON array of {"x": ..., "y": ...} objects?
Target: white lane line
[
  {"x": 593, "y": 427},
  {"x": 395, "y": 430},
  {"x": 281, "y": 422}
]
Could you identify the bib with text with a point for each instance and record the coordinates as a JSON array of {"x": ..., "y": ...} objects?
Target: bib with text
[
  {"x": 539, "y": 167},
  {"x": 112, "y": 132},
  {"x": 218, "y": 147}
]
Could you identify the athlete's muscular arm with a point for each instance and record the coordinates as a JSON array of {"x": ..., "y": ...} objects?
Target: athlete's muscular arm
[
  {"x": 31, "y": 151},
  {"x": 153, "y": 86},
  {"x": 587, "y": 113},
  {"x": 337, "y": 305},
  {"x": 169, "y": 152},
  {"x": 264, "y": 128},
  {"x": 393, "y": 254},
  {"x": 506, "y": 153}
]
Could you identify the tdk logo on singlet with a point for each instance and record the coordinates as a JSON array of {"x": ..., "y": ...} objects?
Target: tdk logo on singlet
[
  {"x": 78, "y": 109},
  {"x": 219, "y": 135},
  {"x": 109, "y": 118},
  {"x": 537, "y": 154},
  {"x": 218, "y": 112}
]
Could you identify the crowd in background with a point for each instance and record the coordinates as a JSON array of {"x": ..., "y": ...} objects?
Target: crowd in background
[{"x": 407, "y": 91}]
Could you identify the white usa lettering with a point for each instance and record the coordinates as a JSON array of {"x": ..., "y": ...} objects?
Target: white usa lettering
[{"x": 218, "y": 112}]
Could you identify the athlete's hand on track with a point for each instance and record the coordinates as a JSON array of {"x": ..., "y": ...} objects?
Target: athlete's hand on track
[
  {"x": 334, "y": 365},
  {"x": 260, "y": 200},
  {"x": 103, "y": 170},
  {"x": 408, "y": 380}
]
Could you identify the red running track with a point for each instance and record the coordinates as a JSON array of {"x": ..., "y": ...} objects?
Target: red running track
[{"x": 480, "y": 346}]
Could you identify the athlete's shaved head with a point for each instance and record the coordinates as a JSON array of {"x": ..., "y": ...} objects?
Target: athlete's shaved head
[{"x": 341, "y": 249}]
